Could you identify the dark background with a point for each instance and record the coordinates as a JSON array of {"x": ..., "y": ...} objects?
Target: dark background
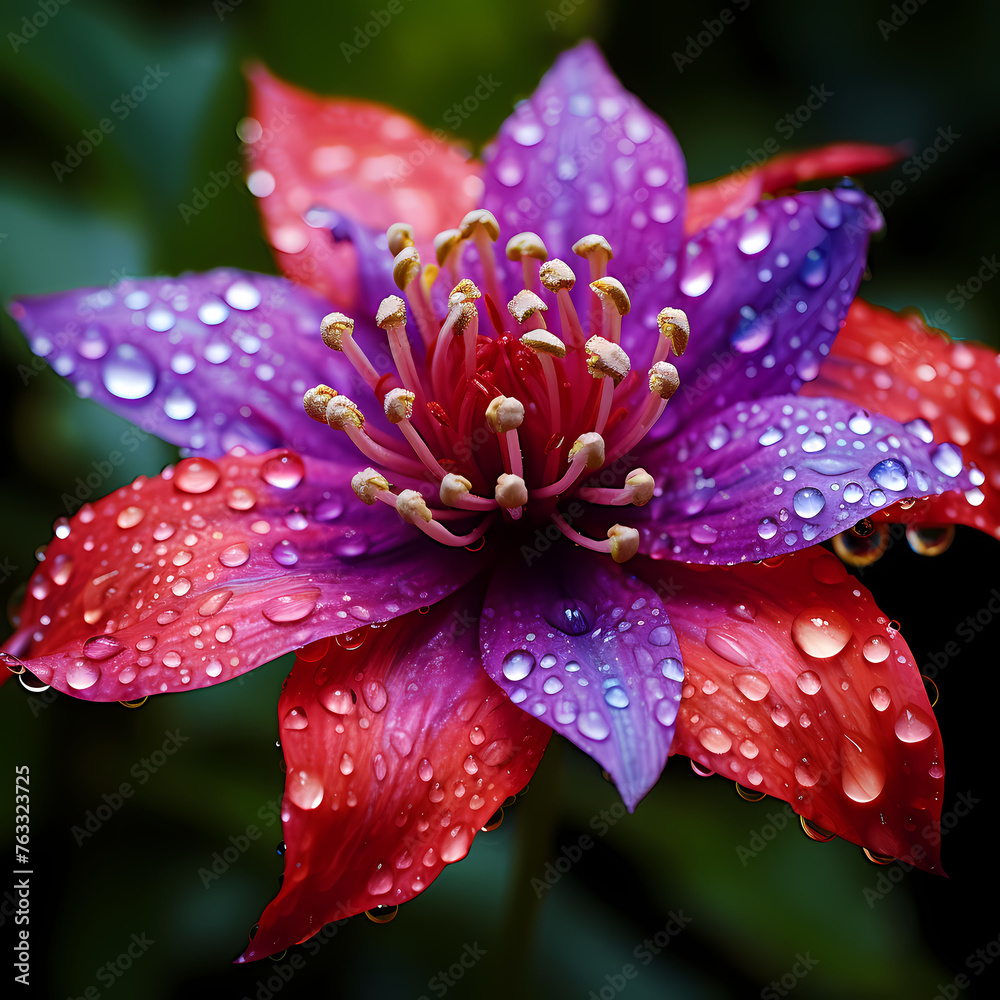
[{"x": 931, "y": 73}]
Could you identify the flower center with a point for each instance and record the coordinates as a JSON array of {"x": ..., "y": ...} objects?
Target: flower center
[{"x": 503, "y": 413}]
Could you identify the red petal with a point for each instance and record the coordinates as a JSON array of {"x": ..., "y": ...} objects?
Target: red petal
[
  {"x": 832, "y": 718},
  {"x": 363, "y": 159},
  {"x": 732, "y": 194},
  {"x": 894, "y": 363},
  {"x": 212, "y": 568},
  {"x": 398, "y": 752}
]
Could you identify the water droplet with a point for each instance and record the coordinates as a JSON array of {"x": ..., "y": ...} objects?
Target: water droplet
[
  {"x": 375, "y": 695},
  {"x": 703, "y": 534},
  {"x": 771, "y": 436},
  {"x": 179, "y": 405},
  {"x": 767, "y": 528},
  {"x": 753, "y": 333},
  {"x": 456, "y": 843},
  {"x": 880, "y": 698},
  {"x": 102, "y": 647},
  {"x": 235, "y": 555},
  {"x": 815, "y": 268},
  {"x": 128, "y": 373},
  {"x": 660, "y": 636},
  {"x": 214, "y": 603},
  {"x": 753, "y": 685},
  {"x": 853, "y": 493},
  {"x": 569, "y": 616},
  {"x": 726, "y": 646},
  {"x": 552, "y": 685},
  {"x": 715, "y": 740},
  {"x": 425, "y": 770},
  {"x": 813, "y": 442},
  {"x": 876, "y": 649},
  {"x": 224, "y": 633},
  {"x": 947, "y": 459},
  {"x": 593, "y": 725},
  {"x": 381, "y": 882},
  {"x": 699, "y": 273},
  {"x": 196, "y": 475},
  {"x": 756, "y": 235},
  {"x": 81, "y": 675},
  {"x": 240, "y": 498},
  {"x": 821, "y": 632},
  {"x": 808, "y": 502},
  {"x": 129, "y": 517},
  {"x": 913, "y": 725},
  {"x": 285, "y": 471},
  {"x": 346, "y": 764},
  {"x": 671, "y": 668},
  {"x": 749, "y": 749},
  {"x": 291, "y": 607},
  {"x": 890, "y": 474},
  {"x": 616, "y": 697},
  {"x": 517, "y": 665},
  {"x": 295, "y": 718},
  {"x": 863, "y": 773},
  {"x": 808, "y": 682}
]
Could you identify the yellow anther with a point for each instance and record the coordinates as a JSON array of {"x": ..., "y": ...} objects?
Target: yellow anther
[
  {"x": 391, "y": 312},
  {"x": 624, "y": 542},
  {"x": 592, "y": 245},
  {"x": 464, "y": 318},
  {"x": 333, "y": 327},
  {"x": 479, "y": 217},
  {"x": 342, "y": 412},
  {"x": 405, "y": 267},
  {"x": 505, "y": 413},
  {"x": 399, "y": 405},
  {"x": 556, "y": 274},
  {"x": 315, "y": 401},
  {"x": 642, "y": 485},
  {"x": 592, "y": 446},
  {"x": 412, "y": 505},
  {"x": 674, "y": 325},
  {"x": 464, "y": 291},
  {"x": 664, "y": 379},
  {"x": 614, "y": 291},
  {"x": 444, "y": 243},
  {"x": 367, "y": 483},
  {"x": 453, "y": 488},
  {"x": 400, "y": 236},
  {"x": 605, "y": 358},
  {"x": 544, "y": 342},
  {"x": 525, "y": 304},
  {"x": 526, "y": 245},
  {"x": 511, "y": 491}
]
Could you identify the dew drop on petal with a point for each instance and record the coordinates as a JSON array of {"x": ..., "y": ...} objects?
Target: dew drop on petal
[
  {"x": 821, "y": 632},
  {"x": 128, "y": 373},
  {"x": 876, "y": 649},
  {"x": 726, "y": 646},
  {"x": 880, "y": 698},
  {"x": 129, "y": 517},
  {"x": 672, "y": 668},
  {"x": 912, "y": 725},
  {"x": 81, "y": 675},
  {"x": 285, "y": 471},
  {"x": 890, "y": 474},
  {"x": 808, "y": 502},
  {"x": 291, "y": 607},
  {"x": 196, "y": 475},
  {"x": 862, "y": 772},
  {"x": 517, "y": 665},
  {"x": 102, "y": 647},
  {"x": 715, "y": 740},
  {"x": 808, "y": 682},
  {"x": 235, "y": 555},
  {"x": 593, "y": 725},
  {"x": 295, "y": 718},
  {"x": 753, "y": 686}
]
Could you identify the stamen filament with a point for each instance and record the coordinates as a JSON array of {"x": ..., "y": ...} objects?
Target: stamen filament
[
  {"x": 383, "y": 456},
  {"x": 424, "y": 453}
]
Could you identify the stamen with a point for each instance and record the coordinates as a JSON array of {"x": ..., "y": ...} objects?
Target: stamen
[
  {"x": 614, "y": 304},
  {"x": 548, "y": 346},
  {"x": 411, "y": 505},
  {"x": 461, "y": 315},
  {"x": 622, "y": 543},
  {"x": 511, "y": 493},
  {"x": 391, "y": 317},
  {"x": 558, "y": 277},
  {"x": 456, "y": 491},
  {"x": 367, "y": 483},
  {"x": 414, "y": 510},
  {"x": 529, "y": 249},
  {"x": 526, "y": 304},
  {"x": 586, "y": 455},
  {"x": 338, "y": 334},
  {"x": 482, "y": 228},
  {"x": 400, "y": 236},
  {"x": 315, "y": 401},
  {"x": 638, "y": 490},
  {"x": 343, "y": 415},
  {"x": 597, "y": 250},
  {"x": 609, "y": 362},
  {"x": 664, "y": 381},
  {"x": 445, "y": 245},
  {"x": 504, "y": 415},
  {"x": 675, "y": 331},
  {"x": 405, "y": 267}
]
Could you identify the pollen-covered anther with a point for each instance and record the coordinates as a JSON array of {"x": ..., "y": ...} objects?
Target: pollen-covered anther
[
  {"x": 464, "y": 291},
  {"x": 333, "y": 327},
  {"x": 391, "y": 312},
  {"x": 411, "y": 505},
  {"x": 445, "y": 243},
  {"x": 505, "y": 413},
  {"x": 405, "y": 267},
  {"x": 593, "y": 247},
  {"x": 674, "y": 325},
  {"x": 367, "y": 483},
  {"x": 556, "y": 274},
  {"x": 342, "y": 413},
  {"x": 464, "y": 319},
  {"x": 624, "y": 542},
  {"x": 315, "y": 401},
  {"x": 664, "y": 379},
  {"x": 399, "y": 405},
  {"x": 544, "y": 343},
  {"x": 642, "y": 486},
  {"x": 526, "y": 245},
  {"x": 613, "y": 291},
  {"x": 400, "y": 236},
  {"x": 591, "y": 447},
  {"x": 511, "y": 491},
  {"x": 453, "y": 489},
  {"x": 638, "y": 490},
  {"x": 606, "y": 359},
  {"x": 525, "y": 304},
  {"x": 479, "y": 217}
]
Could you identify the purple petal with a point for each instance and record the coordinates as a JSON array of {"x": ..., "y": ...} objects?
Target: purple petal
[
  {"x": 766, "y": 294},
  {"x": 207, "y": 361},
  {"x": 588, "y": 649},
  {"x": 583, "y": 156},
  {"x": 760, "y": 479}
]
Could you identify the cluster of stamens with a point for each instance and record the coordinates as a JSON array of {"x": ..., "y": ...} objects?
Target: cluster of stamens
[{"x": 495, "y": 426}]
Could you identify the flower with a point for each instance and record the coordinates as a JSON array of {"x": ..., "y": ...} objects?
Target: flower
[{"x": 576, "y": 487}]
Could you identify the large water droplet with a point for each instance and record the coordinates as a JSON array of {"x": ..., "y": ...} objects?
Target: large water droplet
[
  {"x": 863, "y": 773},
  {"x": 913, "y": 725},
  {"x": 235, "y": 555},
  {"x": 699, "y": 274},
  {"x": 102, "y": 647},
  {"x": 876, "y": 649},
  {"x": 375, "y": 695},
  {"x": 813, "y": 442},
  {"x": 196, "y": 475},
  {"x": 815, "y": 268},
  {"x": 808, "y": 682},
  {"x": 767, "y": 528},
  {"x": 808, "y": 502},
  {"x": 672, "y": 668},
  {"x": 726, "y": 646},
  {"x": 128, "y": 373},
  {"x": 295, "y": 718},
  {"x": 517, "y": 665},
  {"x": 715, "y": 740},
  {"x": 593, "y": 725},
  {"x": 890, "y": 474},
  {"x": 821, "y": 632},
  {"x": 880, "y": 698},
  {"x": 285, "y": 471},
  {"x": 756, "y": 233},
  {"x": 81, "y": 675},
  {"x": 947, "y": 459},
  {"x": 661, "y": 636},
  {"x": 129, "y": 517},
  {"x": 336, "y": 699},
  {"x": 752, "y": 685},
  {"x": 291, "y": 607},
  {"x": 456, "y": 843},
  {"x": 381, "y": 882},
  {"x": 752, "y": 333},
  {"x": 616, "y": 697},
  {"x": 569, "y": 616}
]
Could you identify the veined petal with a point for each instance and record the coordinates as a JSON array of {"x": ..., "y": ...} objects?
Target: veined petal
[
  {"x": 760, "y": 479},
  {"x": 363, "y": 160},
  {"x": 583, "y": 156},
  {"x": 205, "y": 361},
  {"x": 577, "y": 641},
  {"x": 895, "y": 363},
  {"x": 398, "y": 752},
  {"x": 213, "y": 568},
  {"x": 795, "y": 685},
  {"x": 731, "y": 195},
  {"x": 765, "y": 294}
]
